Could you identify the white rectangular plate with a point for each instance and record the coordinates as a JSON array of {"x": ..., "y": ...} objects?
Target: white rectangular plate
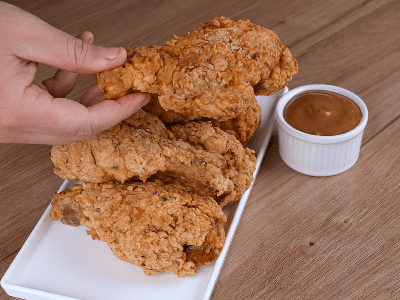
[{"x": 63, "y": 262}]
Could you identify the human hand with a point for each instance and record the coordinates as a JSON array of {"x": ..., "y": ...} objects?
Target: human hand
[{"x": 40, "y": 113}]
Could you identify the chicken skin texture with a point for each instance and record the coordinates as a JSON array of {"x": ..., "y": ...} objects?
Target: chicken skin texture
[
  {"x": 243, "y": 127},
  {"x": 154, "y": 226},
  {"x": 141, "y": 146},
  {"x": 213, "y": 72},
  {"x": 241, "y": 162},
  {"x": 166, "y": 116}
]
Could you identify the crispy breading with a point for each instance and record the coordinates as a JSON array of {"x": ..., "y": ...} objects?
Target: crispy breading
[
  {"x": 137, "y": 146},
  {"x": 244, "y": 126},
  {"x": 141, "y": 146},
  {"x": 214, "y": 71},
  {"x": 241, "y": 162},
  {"x": 155, "y": 226},
  {"x": 170, "y": 116}
]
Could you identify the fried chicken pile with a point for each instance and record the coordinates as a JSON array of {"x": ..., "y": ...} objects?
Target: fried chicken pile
[
  {"x": 154, "y": 185},
  {"x": 181, "y": 177}
]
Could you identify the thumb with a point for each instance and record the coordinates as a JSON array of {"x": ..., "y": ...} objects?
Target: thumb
[
  {"x": 108, "y": 113},
  {"x": 35, "y": 40}
]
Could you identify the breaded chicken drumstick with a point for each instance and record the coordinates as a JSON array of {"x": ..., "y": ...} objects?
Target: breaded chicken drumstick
[
  {"x": 154, "y": 226},
  {"x": 214, "y": 71}
]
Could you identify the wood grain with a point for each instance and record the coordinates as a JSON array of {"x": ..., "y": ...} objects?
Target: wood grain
[{"x": 300, "y": 237}]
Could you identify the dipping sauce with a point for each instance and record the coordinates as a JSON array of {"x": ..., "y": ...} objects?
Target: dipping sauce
[{"x": 322, "y": 112}]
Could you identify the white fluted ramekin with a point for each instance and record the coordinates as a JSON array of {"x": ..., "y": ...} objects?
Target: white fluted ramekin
[{"x": 319, "y": 155}]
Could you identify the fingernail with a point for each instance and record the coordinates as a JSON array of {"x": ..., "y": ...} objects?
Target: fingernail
[
  {"x": 145, "y": 100},
  {"x": 111, "y": 53},
  {"x": 91, "y": 39}
]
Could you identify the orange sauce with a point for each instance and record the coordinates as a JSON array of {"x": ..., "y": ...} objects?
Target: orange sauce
[{"x": 322, "y": 112}]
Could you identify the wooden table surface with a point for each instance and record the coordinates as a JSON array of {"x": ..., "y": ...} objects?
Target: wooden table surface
[{"x": 299, "y": 237}]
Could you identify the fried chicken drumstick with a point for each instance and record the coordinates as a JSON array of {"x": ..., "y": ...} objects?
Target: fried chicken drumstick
[
  {"x": 154, "y": 226},
  {"x": 214, "y": 71},
  {"x": 141, "y": 146}
]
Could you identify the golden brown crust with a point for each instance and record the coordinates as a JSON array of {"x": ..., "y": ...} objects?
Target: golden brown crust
[
  {"x": 170, "y": 116},
  {"x": 240, "y": 162},
  {"x": 210, "y": 72},
  {"x": 138, "y": 146},
  {"x": 211, "y": 247},
  {"x": 244, "y": 126},
  {"x": 151, "y": 225},
  {"x": 280, "y": 75},
  {"x": 141, "y": 146}
]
